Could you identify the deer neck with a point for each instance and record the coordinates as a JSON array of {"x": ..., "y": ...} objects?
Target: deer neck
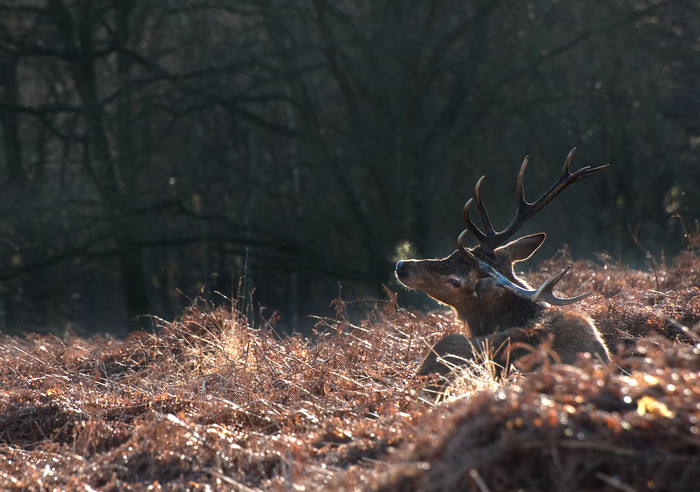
[{"x": 511, "y": 311}]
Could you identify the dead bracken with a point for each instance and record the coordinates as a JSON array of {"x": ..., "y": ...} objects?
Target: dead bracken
[{"x": 209, "y": 402}]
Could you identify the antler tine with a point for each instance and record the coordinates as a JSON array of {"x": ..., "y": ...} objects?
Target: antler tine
[
  {"x": 543, "y": 293},
  {"x": 520, "y": 184},
  {"x": 566, "y": 170},
  {"x": 481, "y": 236},
  {"x": 482, "y": 210},
  {"x": 460, "y": 243},
  {"x": 470, "y": 225}
]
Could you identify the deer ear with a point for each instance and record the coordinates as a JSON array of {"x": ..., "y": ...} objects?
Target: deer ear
[{"x": 523, "y": 247}]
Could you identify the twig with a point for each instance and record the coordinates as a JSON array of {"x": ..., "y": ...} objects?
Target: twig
[
  {"x": 615, "y": 482},
  {"x": 474, "y": 474},
  {"x": 635, "y": 238}
]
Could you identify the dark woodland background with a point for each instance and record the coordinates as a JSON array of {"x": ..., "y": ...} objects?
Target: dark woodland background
[{"x": 155, "y": 150}]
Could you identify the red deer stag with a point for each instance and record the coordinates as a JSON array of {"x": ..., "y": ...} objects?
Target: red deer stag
[{"x": 499, "y": 308}]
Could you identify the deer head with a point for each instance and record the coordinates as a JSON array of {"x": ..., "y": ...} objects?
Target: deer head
[{"x": 479, "y": 282}]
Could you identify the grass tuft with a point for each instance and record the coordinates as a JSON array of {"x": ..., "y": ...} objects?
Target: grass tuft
[{"x": 211, "y": 401}]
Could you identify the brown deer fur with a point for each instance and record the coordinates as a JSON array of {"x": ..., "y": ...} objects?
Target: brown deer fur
[{"x": 494, "y": 315}]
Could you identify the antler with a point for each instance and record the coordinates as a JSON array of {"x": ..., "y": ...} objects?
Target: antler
[
  {"x": 543, "y": 293},
  {"x": 489, "y": 240}
]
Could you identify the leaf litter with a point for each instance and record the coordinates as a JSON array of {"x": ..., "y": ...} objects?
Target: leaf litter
[{"x": 210, "y": 402}]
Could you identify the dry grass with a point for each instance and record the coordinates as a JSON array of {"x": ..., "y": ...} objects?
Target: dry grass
[{"x": 209, "y": 402}]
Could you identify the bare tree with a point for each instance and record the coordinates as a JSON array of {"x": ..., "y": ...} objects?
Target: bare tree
[{"x": 152, "y": 147}]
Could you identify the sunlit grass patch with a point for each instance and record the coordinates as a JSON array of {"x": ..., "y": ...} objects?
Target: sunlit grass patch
[{"x": 214, "y": 400}]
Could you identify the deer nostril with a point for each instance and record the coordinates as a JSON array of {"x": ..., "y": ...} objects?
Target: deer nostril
[{"x": 401, "y": 268}]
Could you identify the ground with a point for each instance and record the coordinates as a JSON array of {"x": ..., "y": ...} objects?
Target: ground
[{"x": 215, "y": 401}]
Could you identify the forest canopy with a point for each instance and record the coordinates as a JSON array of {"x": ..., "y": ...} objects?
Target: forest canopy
[{"x": 150, "y": 149}]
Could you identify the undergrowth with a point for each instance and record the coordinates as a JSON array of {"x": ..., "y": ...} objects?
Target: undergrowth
[{"x": 211, "y": 402}]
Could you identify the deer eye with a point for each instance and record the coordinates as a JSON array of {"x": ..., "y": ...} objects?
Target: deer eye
[{"x": 454, "y": 282}]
